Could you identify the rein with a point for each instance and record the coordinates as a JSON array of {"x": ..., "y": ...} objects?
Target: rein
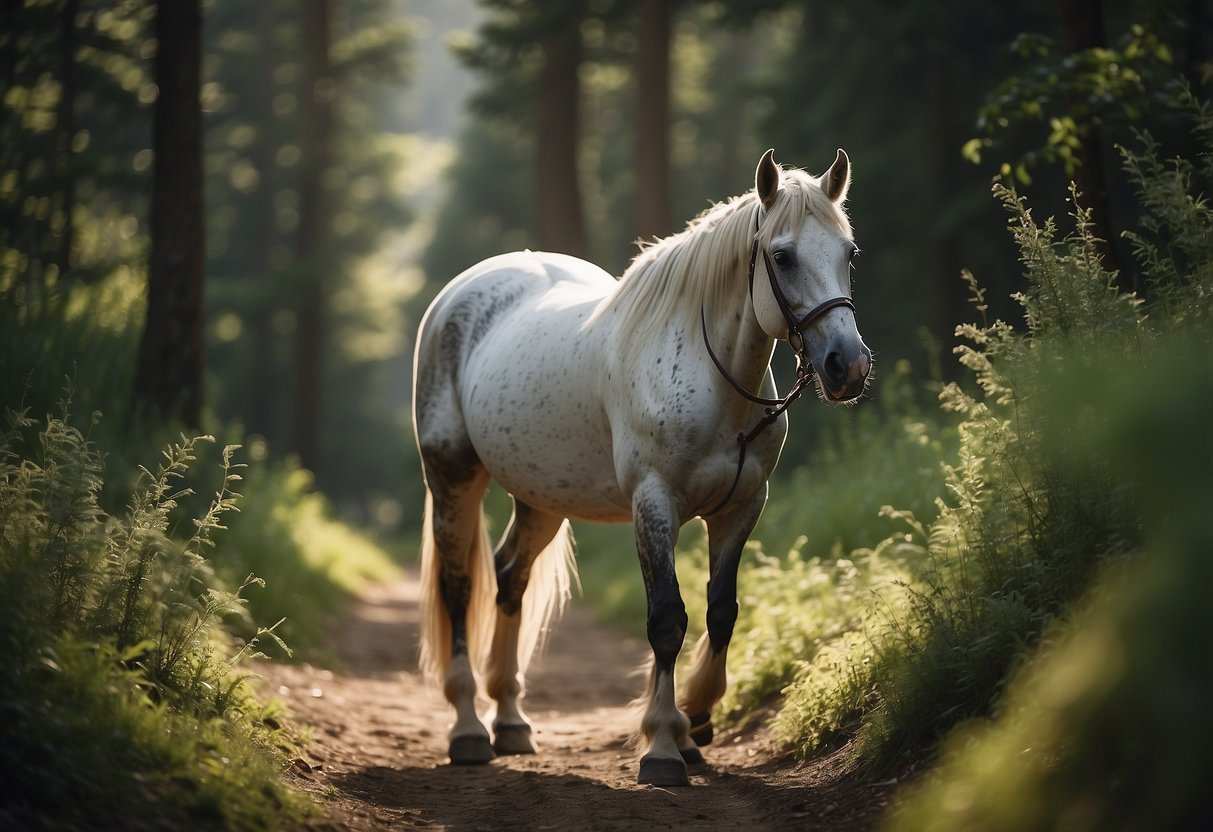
[{"x": 804, "y": 368}]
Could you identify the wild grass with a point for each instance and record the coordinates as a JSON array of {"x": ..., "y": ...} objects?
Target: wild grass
[{"x": 124, "y": 705}]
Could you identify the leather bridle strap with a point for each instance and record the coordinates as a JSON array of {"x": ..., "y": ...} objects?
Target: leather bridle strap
[
  {"x": 796, "y": 327},
  {"x": 804, "y": 368}
]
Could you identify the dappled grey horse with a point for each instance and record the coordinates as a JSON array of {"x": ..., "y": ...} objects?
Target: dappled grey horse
[{"x": 612, "y": 401}]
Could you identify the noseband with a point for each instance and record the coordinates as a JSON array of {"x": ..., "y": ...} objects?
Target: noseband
[{"x": 795, "y": 338}]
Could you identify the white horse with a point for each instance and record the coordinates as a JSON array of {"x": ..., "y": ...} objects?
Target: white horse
[{"x": 614, "y": 401}]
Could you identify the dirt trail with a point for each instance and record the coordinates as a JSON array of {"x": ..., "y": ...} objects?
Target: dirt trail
[{"x": 377, "y": 758}]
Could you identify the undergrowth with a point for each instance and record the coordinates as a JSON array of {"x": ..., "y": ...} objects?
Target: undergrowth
[
  {"x": 1106, "y": 725},
  {"x": 123, "y": 702},
  {"x": 313, "y": 563},
  {"x": 1037, "y": 524}
]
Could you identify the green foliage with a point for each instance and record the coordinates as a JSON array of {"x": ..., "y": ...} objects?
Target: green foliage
[
  {"x": 1107, "y": 725},
  {"x": 1064, "y": 96},
  {"x": 794, "y": 609},
  {"x": 121, "y": 696},
  {"x": 1034, "y": 513},
  {"x": 885, "y": 452},
  {"x": 1177, "y": 224},
  {"x": 72, "y": 120},
  {"x": 314, "y": 563}
]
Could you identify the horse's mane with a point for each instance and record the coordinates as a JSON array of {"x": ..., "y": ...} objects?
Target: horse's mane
[{"x": 698, "y": 267}]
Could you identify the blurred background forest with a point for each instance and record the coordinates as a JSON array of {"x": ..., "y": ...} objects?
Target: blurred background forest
[
  {"x": 228, "y": 217},
  {"x": 359, "y": 154}
]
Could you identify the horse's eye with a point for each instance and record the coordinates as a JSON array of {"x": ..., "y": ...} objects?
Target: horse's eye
[{"x": 781, "y": 258}]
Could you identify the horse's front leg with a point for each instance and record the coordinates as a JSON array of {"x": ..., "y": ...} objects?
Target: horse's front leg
[
  {"x": 706, "y": 680},
  {"x": 664, "y": 726}
]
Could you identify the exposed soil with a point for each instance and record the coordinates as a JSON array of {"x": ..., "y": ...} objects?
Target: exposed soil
[{"x": 377, "y": 758}]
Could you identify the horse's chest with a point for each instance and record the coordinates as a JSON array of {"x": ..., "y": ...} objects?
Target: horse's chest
[{"x": 690, "y": 441}]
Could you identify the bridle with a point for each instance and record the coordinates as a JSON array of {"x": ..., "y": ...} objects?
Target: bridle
[{"x": 795, "y": 338}]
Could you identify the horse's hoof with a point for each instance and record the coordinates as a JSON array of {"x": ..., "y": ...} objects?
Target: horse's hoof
[
  {"x": 692, "y": 756},
  {"x": 513, "y": 739},
  {"x": 701, "y": 729},
  {"x": 471, "y": 750},
  {"x": 662, "y": 771}
]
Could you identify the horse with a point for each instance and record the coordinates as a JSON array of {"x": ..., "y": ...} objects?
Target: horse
[{"x": 629, "y": 400}]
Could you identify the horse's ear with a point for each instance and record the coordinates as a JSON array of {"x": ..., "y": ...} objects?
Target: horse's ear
[
  {"x": 766, "y": 179},
  {"x": 838, "y": 177}
]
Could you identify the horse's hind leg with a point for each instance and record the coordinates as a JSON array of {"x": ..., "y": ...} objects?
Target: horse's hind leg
[
  {"x": 529, "y": 533},
  {"x": 455, "y": 584}
]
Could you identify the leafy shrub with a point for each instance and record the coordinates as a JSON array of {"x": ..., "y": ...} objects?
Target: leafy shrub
[{"x": 885, "y": 452}]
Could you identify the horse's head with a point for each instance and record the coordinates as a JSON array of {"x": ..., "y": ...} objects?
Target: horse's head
[{"x": 802, "y": 273}]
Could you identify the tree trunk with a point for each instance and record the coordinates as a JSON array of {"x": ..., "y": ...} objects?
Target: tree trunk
[
  {"x": 560, "y": 223},
  {"x": 945, "y": 173},
  {"x": 168, "y": 373},
  {"x": 1082, "y": 28},
  {"x": 311, "y": 330},
  {"x": 651, "y": 211},
  {"x": 266, "y": 383},
  {"x": 65, "y": 129}
]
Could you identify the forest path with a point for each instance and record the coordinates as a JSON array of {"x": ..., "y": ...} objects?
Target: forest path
[{"x": 377, "y": 757}]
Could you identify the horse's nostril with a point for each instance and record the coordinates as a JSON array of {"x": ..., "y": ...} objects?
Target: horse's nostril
[{"x": 835, "y": 369}]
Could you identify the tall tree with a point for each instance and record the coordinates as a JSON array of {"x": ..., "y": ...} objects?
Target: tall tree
[
  {"x": 168, "y": 372},
  {"x": 559, "y": 217},
  {"x": 260, "y": 413},
  {"x": 65, "y": 129},
  {"x": 311, "y": 329},
  {"x": 1082, "y": 29},
  {"x": 651, "y": 211}
]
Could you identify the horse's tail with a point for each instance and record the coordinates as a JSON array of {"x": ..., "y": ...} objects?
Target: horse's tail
[
  {"x": 552, "y": 577},
  {"x": 435, "y": 618}
]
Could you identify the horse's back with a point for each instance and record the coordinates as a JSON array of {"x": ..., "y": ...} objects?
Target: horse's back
[
  {"x": 479, "y": 299},
  {"x": 521, "y": 274}
]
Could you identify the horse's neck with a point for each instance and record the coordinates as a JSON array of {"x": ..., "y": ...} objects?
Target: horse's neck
[{"x": 742, "y": 346}]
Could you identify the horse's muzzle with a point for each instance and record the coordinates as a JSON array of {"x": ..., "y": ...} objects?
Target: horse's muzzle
[{"x": 843, "y": 377}]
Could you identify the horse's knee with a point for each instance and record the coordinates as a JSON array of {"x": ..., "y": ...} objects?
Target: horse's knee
[
  {"x": 667, "y": 627},
  {"x": 722, "y": 615}
]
